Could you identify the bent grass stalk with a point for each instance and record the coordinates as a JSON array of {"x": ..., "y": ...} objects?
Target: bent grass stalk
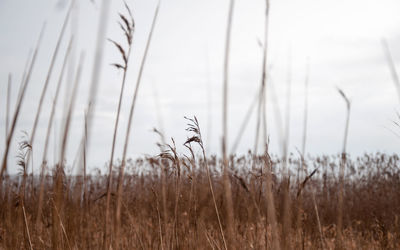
[
  {"x": 46, "y": 83},
  {"x": 339, "y": 243},
  {"x": 20, "y": 99}
]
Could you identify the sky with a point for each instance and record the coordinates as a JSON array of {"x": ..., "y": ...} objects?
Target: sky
[{"x": 338, "y": 41}]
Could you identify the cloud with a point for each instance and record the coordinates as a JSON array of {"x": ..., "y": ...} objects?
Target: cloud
[{"x": 341, "y": 38}]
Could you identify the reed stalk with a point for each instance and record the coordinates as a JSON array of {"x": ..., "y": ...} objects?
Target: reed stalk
[
  {"x": 47, "y": 81},
  {"x": 339, "y": 228},
  {"x": 20, "y": 99},
  {"x": 47, "y": 140},
  {"x": 8, "y": 105},
  {"x": 230, "y": 223},
  {"x": 128, "y": 130},
  {"x": 128, "y": 27}
]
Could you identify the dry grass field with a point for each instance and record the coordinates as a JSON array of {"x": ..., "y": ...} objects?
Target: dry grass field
[
  {"x": 189, "y": 199},
  {"x": 167, "y": 203}
]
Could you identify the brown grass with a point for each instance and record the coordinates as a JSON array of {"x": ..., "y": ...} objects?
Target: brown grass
[
  {"x": 128, "y": 130},
  {"x": 370, "y": 206},
  {"x": 190, "y": 200}
]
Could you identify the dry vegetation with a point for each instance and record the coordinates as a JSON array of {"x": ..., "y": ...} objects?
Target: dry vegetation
[
  {"x": 189, "y": 200},
  {"x": 167, "y": 204}
]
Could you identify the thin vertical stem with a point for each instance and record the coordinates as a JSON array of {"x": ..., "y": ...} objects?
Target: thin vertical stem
[
  {"x": 110, "y": 166},
  {"x": 227, "y": 185},
  {"x": 128, "y": 130},
  {"x": 245, "y": 122},
  {"x": 262, "y": 101},
  {"x": 271, "y": 213},
  {"x": 84, "y": 163},
  {"x": 26, "y": 226},
  {"x": 8, "y": 104},
  {"x": 305, "y": 113},
  {"x": 339, "y": 243},
  {"x": 97, "y": 63},
  {"x": 303, "y": 155},
  {"x": 59, "y": 174},
  {"x": 286, "y": 232}
]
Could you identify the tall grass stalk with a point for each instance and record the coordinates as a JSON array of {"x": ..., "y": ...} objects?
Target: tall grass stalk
[
  {"x": 159, "y": 220},
  {"x": 305, "y": 112},
  {"x": 19, "y": 103},
  {"x": 128, "y": 130},
  {"x": 304, "y": 164},
  {"x": 97, "y": 63},
  {"x": 244, "y": 123},
  {"x": 60, "y": 168},
  {"x": 26, "y": 227},
  {"x": 285, "y": 145},
  {"x": 47, "y": 140},
  {"x": 70, "y": 110},
  {"x": 271, "y": 211},
  {"x": 277, "y": 112},
  {"x": 164, "y": 174},
  {"x": 194, "y": 127},
  {"x": 177, "y": 166},
  {"x": 46, "y": 83},
  {"x": 24, "y": 74},
  {"x": 8, "y": 105},
  {"x": 262, "y": 100},
  {"x": 302, "y": 171},
  {"x": 341, "y": 172},
  {"x": 84, "y": 159},
  {"x": 61, "y": 224},
  {"x": 286, "y": 225},
  {"x": 230, "y": 224},
  {"x": 127, "y": 26}
]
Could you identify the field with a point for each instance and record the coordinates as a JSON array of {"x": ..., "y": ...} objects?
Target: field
[
  {"x": 190, "y": 199},
  {"x": 170, "y": 206}
]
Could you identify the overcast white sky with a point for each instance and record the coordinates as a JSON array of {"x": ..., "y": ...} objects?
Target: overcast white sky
[{"x": 183, "y": 74}]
